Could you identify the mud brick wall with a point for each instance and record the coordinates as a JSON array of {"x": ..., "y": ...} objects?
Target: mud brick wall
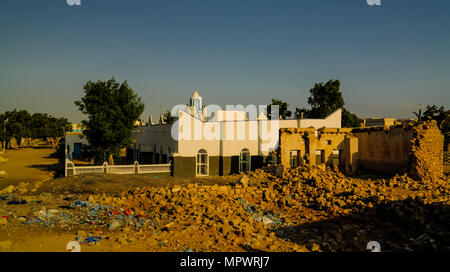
[
  {"x": 427, "y": 152},
  {"x": 415, "y": 149},
  {"x": 384, "y": 150},
  {"x": 306, "y": 143}
]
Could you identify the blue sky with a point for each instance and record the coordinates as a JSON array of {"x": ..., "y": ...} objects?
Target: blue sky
[{"x": 390, "y": 58}]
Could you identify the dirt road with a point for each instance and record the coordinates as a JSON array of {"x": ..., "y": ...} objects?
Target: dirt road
[{"x": 28, "y": 165}]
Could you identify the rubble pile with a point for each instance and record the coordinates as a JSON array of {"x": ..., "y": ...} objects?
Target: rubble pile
[
  {"x": 330, "y": 191},
  {"x": 217, "y": 216},
  {"x": 263, "y": 209},
  {"x": 307, "y": 208}
]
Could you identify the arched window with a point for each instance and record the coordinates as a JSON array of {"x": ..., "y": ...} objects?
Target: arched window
[
  {"x": 202, "y": 162},
  {"x": 244, "y": 160}
]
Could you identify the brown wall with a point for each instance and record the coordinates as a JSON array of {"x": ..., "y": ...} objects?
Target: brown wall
[
  {"x": 416, "y": 149},
  {"x": 383, "y": 150},
  {"x": 306, "y": 143},
  {"x": 183, "y": 166}
]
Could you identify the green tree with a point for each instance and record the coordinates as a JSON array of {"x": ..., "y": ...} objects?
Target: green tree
[
  {"x": 326, "y": 98},
  {"x": 282, "y": 108},
  {"x": 111, "y": 108},
  {"x": 168, "y": 118},
  {"x": 17, "y": 125},
  {"x": 44, "y": 126},
  {"x": 349, "y": 119},
  {"x": 21, "y": 124}
]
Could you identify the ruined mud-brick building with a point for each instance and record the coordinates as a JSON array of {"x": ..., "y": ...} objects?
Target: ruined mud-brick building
[{"x": 416, "y": 149}]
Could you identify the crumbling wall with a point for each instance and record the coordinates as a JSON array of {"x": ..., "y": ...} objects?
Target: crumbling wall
[
  {"x": 336, "y": 146},
  {"x": 427, "y": 152},
  {"x": 384, "y": 150},
  {"x": 295, "y": 139},
  {"x": 414, "y": 148}
]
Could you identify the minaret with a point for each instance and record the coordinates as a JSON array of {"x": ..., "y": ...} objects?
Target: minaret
[{"x": 196, "y": 103}]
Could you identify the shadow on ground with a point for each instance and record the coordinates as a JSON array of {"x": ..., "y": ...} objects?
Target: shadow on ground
[{"x": 407, "y": 225}]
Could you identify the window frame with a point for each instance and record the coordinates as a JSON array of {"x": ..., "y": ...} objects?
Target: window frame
[
  {"x": 248, "y": 162},
  {"x": 198, "y": 163}
]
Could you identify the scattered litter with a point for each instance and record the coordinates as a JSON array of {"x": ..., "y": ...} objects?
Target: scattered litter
[
  {"x": 17, "y": 202},
  {"x": 6, "y": 197}
]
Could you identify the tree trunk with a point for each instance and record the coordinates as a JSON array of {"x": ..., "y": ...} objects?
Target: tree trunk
[{"x": 110, "y": 159}]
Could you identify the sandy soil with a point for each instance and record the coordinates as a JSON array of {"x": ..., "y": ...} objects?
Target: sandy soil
[
  {"x": 33, "y": 169},
  {"x": 28, "y": 165}
]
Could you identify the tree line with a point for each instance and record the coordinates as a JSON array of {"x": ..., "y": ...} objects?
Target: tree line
[{"x": 20, "y": 124}]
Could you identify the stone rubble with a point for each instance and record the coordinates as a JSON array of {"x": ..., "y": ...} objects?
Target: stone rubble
[{"x": 261, "y": 208}]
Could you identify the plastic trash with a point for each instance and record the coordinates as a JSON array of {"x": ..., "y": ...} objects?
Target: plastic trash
[
  {"x": 93, "y": 239},
  {"x": 16, "y": 202},
  {"x": 6, "y": 197}
]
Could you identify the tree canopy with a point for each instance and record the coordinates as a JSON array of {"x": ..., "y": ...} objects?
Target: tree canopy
[
  {"x": 21, "y": 124},
  {"x": 282, "y": 108},
  {"x": 111, "y": 108},
  {"x": 325, "y": 98},
  {"x": 168, "y": 118}
]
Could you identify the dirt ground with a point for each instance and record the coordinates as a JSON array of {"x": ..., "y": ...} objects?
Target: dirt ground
[
  {"x": 31, "y": 171},
  {"x": 304, "y": 209},
  {"x": 28, "y": 165}
]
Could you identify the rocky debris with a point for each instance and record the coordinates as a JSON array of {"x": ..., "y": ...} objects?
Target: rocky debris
[
  {"x": 427, "y": 152},
  {"x": 302, "y": 209},
  {"x": 243, "y": 181},
  {"x": 3, "y": 220},
  {"x": 262, "y": 207},
  {"x": 114, "y": 224}
]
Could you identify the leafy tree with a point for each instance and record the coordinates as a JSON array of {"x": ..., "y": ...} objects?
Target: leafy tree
[
  {"x": 282, "y": 108},
  {"x": 299, "y": 111},
  {"x": 44, "y": 126},
  {"x": 349, "y": 119},
  {"x": 325, "y": 98},
  {"x": 21, "y": 124},
  {"x": 168, "y": 118},
  {"x": 16, "y": 125},
  {"x": 111, "y": 108}
]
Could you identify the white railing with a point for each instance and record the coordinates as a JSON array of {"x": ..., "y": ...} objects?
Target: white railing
[
  {"x": 154, "y": 168},
  {"x": 136, "y": 168}
]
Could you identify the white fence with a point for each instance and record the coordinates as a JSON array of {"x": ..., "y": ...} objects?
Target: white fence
[{"x": 135, "y": 168}]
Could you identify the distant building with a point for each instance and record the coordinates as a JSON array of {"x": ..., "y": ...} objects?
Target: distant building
[
  {"x": 74, "y": 142},
  {"x": 379, "y": 122},
  {"x": 77, "y": 128}
]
